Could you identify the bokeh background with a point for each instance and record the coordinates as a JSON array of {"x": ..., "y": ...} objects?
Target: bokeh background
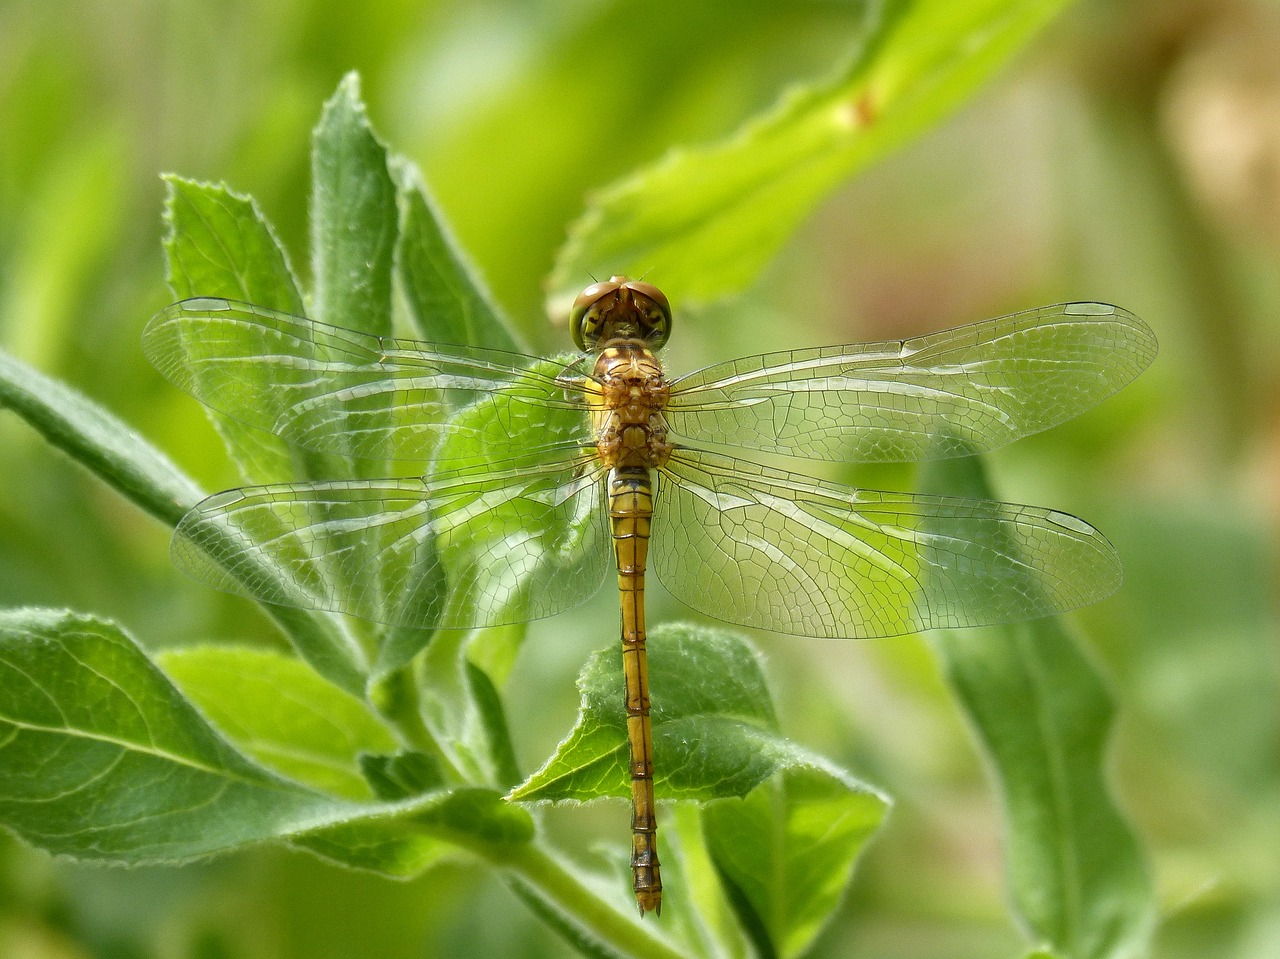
[{"x": 1131, "y": 154}]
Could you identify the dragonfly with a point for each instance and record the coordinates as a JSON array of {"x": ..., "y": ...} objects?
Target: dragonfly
[{"x": 532, "y": 479}]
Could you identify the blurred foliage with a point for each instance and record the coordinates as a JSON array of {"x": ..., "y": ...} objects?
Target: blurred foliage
[{"x": 1129, "y": 155}]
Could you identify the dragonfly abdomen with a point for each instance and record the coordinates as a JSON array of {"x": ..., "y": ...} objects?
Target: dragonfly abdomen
[{"x": 630, "y": 514}]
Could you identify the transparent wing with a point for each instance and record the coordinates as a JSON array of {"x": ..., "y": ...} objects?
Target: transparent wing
[
  {"x": 451, "y": 552},
  {"x": 951, "y": 393},
  {"x": 334, "y": 390},
  {"x": 773, "y": 550}
]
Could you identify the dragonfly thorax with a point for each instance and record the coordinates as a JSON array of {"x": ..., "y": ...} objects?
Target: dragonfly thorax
[
  {"x": 628, "y": 396},
  {"x": 620, "y": 309}
]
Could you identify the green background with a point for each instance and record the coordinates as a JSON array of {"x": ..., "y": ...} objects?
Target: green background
[{"x": 1130, "y": 154}]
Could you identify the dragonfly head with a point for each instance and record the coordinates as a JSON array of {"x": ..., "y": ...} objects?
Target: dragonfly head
[{"x": 620, "y": 309}]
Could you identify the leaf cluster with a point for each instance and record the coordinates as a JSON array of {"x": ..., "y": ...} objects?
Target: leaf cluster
[{"x": 389, "y": 750}]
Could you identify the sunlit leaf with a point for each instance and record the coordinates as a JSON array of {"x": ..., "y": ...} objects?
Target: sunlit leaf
[
  {"x": 277, "y": 710},
  {"x": 219, "y": 244},
  {"x": 706, "y": 220},
  {"x": 446, "y": 300},
  {"x": 353, "y": 217}
]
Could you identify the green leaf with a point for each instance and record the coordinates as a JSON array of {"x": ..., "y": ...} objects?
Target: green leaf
[
  {"x": 705, "y": 221},
  {"x": 464, "y": 713},
  {"x": 97, "y": 440},
  {"x": 446, "y": 300},
  {"x": 1043, "y": 716},
  {"x": 714, "y": 730},
  {"x": 103, "y": 759},
  {"x": 408, "y": 773},
  {"x": 218, "y": 244},
  {"x": 353, "y": 217},
  {"x": 786, "y": 852},
  {"x": 278, "y": 711}
]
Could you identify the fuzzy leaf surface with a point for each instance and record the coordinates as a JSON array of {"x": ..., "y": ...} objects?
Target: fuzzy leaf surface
[{"x": 103, "y": 759}]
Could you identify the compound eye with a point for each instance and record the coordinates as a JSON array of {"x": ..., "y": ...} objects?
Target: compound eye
[
  {"x": 584, "y": 321},
  {"x": 657, "y": 312},
  {"x": 653, "y": 293},
  {"x": 591, "y": 294}
]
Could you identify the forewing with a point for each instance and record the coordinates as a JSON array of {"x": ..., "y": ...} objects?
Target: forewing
[
  {"x": 451, "y": 552},
  {"x": 773, "y": 550},
  {"x": 335, "y": 390},
  {"x": 952, "y": 393}
]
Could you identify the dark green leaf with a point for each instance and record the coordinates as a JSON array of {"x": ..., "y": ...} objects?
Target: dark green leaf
[
  {"x": 714, "y": 730},
  {"x": 463, "y": 712},
  {"x": 97, "y": 440},
  {"x": 404, "y": 839},
  {"x": 353, "y": 217},
  {"x": 499, "y": 748},
  {"x": 786, "y": 852},
  {"x": 278, "y": 711},
  {"x": 703, "y": 222},
  {"x": 103, "y": 759},
  {"x": 1044, "y": 716},
  {"x": 446, "y": 300},
  {"x": 408, "y": 773}
]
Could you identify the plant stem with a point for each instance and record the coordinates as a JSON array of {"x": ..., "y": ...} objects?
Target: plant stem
[
  {"x": 575, "y": 908},
  {"x": 395, "y": 697}
]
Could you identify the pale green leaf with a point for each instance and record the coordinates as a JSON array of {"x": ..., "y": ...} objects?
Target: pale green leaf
[
  {"x": 281, "y": 713},
  {"x": 786, "y": 851},
  {"x": 446, "y": 300},
  {"x": 704, "y": 221},
  {"x": 353, "y": 217},
  {"x": 219, "y": 244},
  {"x": 1044, "y": 716}
]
